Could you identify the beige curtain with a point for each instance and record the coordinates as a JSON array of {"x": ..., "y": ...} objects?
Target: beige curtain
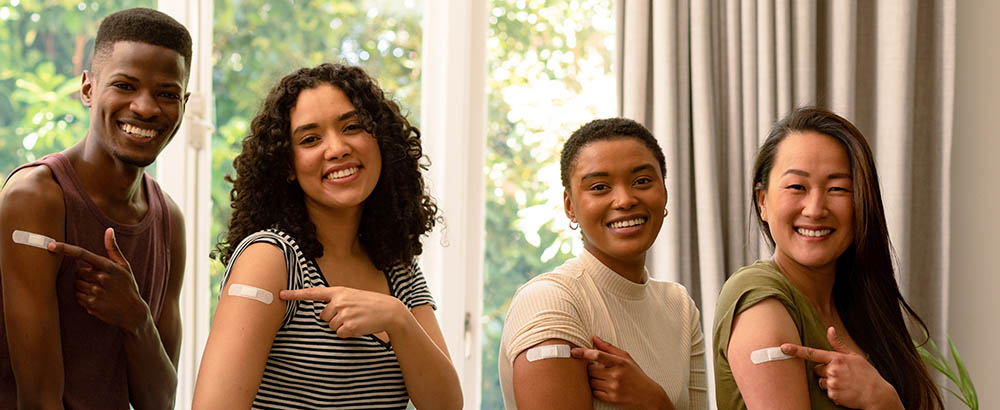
[{"x": 710, "y": 77}]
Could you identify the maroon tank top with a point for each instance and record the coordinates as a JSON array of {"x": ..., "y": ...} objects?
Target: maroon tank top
[{"x": 93, "y": 351}]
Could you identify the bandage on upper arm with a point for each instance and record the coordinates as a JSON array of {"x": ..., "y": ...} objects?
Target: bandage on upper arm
[
  {"x": 31, "y": 239},
  {"x": 547, "y": 352},
  {"x": 768, "y": 354},
  {"x": 250, "y": 292}
]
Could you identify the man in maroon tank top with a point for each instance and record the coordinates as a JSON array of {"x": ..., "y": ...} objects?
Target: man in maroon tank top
[{"x": 94, "y": 323}]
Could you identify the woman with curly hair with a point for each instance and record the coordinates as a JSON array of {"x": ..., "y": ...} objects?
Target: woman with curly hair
[{"x": 328, "y": 209}]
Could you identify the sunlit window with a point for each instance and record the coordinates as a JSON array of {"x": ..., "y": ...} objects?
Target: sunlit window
[{"x": 549, "y": 71}]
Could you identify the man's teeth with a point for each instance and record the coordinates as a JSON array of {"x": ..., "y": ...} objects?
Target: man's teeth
[
  {"x": 628, "y": 223},
  {"x": 813, "y": 233},
  {"x": 342, "y": 173},
  {"x": 138, "y": 132}
]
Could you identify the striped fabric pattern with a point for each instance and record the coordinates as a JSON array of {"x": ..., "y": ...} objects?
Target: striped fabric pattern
[{"x": 309, "y": 367}]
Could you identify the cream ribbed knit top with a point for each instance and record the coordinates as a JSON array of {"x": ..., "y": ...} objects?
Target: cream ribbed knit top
[{"x": 656, "y": 322}]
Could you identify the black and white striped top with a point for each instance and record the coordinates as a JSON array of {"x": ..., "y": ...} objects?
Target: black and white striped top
[{"x": 309, "y": 367}]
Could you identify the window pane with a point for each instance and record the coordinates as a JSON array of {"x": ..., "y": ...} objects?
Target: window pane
[
  {"x": 258, "y": 41},
  {"x": 549, "y": 72},
  {"x": 44, "y": 48}
]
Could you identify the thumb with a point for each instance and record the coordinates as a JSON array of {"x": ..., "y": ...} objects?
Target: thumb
[
  {"x": 835, "y": 342},
  {"x": 603, "y": 346},
  {"x": 111, "y": 246}
]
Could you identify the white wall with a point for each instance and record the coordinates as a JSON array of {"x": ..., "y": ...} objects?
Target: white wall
[{"x": 975, "y": 215}]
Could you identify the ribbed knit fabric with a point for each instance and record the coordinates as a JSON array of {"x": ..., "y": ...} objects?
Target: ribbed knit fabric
[{"x": 656, "y": 322}]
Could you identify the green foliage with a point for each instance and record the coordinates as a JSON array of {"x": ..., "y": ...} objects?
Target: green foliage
[
  {"x": 958, "y": 375},
  {"x": 44, "y": 48},
  {"x": 549, "y": 65}
]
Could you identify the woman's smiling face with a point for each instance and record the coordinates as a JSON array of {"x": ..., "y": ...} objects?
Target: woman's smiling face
[
  {"x": 808, "y": 203},
  {"x": 336, "y": 162},
  {"x": 618, "y": 197}
]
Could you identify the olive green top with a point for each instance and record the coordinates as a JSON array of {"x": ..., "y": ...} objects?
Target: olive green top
[{"x": 748, "y": 286}]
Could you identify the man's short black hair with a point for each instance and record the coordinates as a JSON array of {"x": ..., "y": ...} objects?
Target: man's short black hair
[
  {"x": 144, "y": 26},
  {"x": 602, "y": 130}
]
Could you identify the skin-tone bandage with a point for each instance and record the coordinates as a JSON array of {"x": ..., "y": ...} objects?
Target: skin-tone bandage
[
  {"x": 32, "y": 239},
  {"x": 769, "y": 354},
  {"x": 547, "y": 352},
  {"x": 250, "y": 292}
]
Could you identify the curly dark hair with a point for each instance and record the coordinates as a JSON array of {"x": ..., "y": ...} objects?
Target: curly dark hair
[
  {"x": 602, "y": 130},
  {"x": 145, "y": 26},
  {"x": 396, "y": 214}
]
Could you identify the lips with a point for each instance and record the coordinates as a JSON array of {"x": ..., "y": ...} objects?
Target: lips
[
  {"x": 137, "y": 132},
  {"x": 343, "y": 173},
  {"x": 813, "y": 233},
  {"x": 626, "y": 223}
]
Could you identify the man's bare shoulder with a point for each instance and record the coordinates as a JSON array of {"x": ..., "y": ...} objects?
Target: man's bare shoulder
[{"x": 32, "y": 192}]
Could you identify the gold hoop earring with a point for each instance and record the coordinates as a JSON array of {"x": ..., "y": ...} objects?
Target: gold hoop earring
[
  {"x": 665, "y": 212},
  {"x": 573, "y": 227}
]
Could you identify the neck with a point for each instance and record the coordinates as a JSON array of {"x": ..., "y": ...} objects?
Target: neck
[
  {"x": 815, "y": 283},
  {"x": 336, "y": 230},
  {"x": 106, "y": 179},
  {"x": 633, "y": 269}
]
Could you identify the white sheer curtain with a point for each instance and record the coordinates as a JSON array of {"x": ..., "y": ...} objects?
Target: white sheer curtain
[{"x": 710, "y": 77}]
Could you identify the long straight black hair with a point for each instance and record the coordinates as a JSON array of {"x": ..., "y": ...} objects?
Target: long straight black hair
[{"x": 865, "y": 292}]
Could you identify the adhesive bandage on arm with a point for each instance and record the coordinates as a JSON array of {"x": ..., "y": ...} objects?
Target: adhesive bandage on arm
[
  {"x": 769, "y": 354},
  {"x": 547, "y": 352},
  {"x": 32, "y": 239},
  {"x": 250, "y": 292}
]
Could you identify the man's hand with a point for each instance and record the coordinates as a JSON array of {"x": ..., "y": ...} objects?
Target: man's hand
[
  {"x": 616, "y": 378},
  {"x": 105, "y": 287}
]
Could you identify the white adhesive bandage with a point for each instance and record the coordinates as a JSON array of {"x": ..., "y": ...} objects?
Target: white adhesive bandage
[
  {"x": 769, "y": 354},
  {"x": 32, "y": 239},
  {"x": 547, "y": 352},
  {"x": 251, "y": 292}
]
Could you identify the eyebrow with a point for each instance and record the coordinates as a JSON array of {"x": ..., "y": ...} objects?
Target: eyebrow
[
  {"x": 312, "y": 125},
  {"x": 799, "y": 172},
  {"x": 643, "y": 167},
  {"x": 136, "y": 80}
]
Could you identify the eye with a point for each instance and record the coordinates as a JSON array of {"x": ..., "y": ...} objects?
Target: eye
[
  {"x": 796, "y": 187},
  {"x": 170, "y": 95},
  {"x": 353, "y": 128},
  {"x": 643, "y": 181},
  {"x": 839, "y": 189},
  {"x": 308, "y": 139},
  {"x": 599, "y": 187},
  {"x": 123, "y": 86}
]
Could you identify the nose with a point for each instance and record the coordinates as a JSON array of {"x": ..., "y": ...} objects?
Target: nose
[
  {"x": 815, "y": 204},
  {"x": 624, "y": 199},
  {"x": 335, "y": 146},
  {"x": 144, "y": 105}
]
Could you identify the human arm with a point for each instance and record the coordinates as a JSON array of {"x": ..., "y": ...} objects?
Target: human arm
[
  {"x": 106, "y": 289},
  {"x": 32, "y": 201},
  {"x": 430, "y": 377},
  {"x": 775, "y": 385},
  {"x": 616, "y": 378},
  {"x": 152, "y": 367},
  {"x": 242, "y": 332},
  {"x": 849, "y": 379},
  {"x": 554, "y": 383}
]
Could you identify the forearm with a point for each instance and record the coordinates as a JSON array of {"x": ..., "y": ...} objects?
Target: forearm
[
  {"x": 152, "y": 376},
  {"x": 430, "y": 377}
]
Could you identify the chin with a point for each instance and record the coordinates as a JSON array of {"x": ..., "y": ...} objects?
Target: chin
[{"x": 134, "y": 160}]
